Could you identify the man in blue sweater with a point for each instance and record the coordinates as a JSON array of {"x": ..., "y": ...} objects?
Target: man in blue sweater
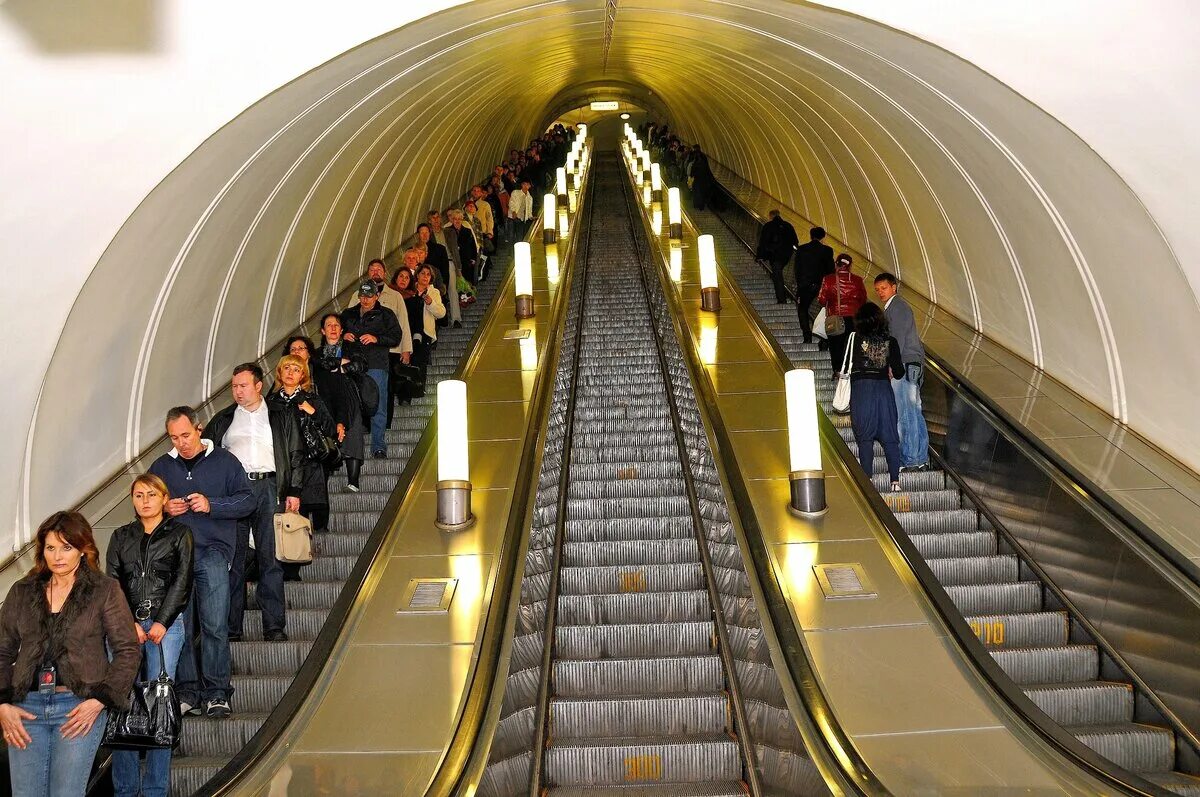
[
  {"x": 914, "y": 436},
  {"x": 209, "y": 492}
]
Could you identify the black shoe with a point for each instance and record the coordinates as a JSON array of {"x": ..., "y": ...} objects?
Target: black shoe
[
  {"x": 823, "y": 345},
  {"x": 217, "y": 709},
  {"x": 457, "y": 325},
  {"x": 187, "y": 708},
  {"x": 808, "y": 339},
  {"x": 380, "y": 454},
  {"x": 275, "y": 636}
]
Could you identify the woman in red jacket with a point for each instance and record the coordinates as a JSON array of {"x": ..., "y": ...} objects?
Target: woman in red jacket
[{"x": 842, "y": 293}]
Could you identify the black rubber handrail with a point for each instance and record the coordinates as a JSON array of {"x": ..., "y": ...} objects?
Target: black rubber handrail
[{"x": 986, "y": 667}]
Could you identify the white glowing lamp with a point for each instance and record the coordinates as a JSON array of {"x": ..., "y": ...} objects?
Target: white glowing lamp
[
  {"x": 655, "y": 177},
  {"x": 552, "y": 263},
  {"x": 583, "y": 128},
  {"x": 656, "y": 218},
  {"x": 564, "y": 225},
  {"x": 708, "y": 261},
  {"x": 549, "y": 208},
  {"x": 676, "y": 261},
  {"x": 560, "y": 180},
  {"x": 645, "y": 161},
  {"x": 674, "y": 214},
  {"x": 452, "y": 431},
  {"x": 804, "y": 442},
  {"x": 572, "y": 162},
  {"x": 523, "y": 268}
]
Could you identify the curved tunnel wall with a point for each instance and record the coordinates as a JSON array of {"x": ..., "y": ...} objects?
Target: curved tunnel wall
[{"x": 924, "y": 163}]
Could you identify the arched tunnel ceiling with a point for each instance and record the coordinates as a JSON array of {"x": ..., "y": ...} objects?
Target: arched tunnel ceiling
[{"x": 914, "y": 157}]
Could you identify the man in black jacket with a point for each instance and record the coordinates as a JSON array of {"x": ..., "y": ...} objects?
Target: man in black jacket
[
  {"x": 776, "y": 243},
  {"x": 813, "y": 261},
  {"x": 373, "y": 329},
  {"x": 270, "y": 447}
]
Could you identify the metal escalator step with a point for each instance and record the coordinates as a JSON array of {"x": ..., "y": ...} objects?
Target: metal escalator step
[
  {"x": 603, "y": 508},
  {"x": 614, "y": 486},
  {"x": 1177, "y": 782},
  {"x": 353, "y": 522},
  {"x": 730, "y": 789},
  {"x": 302, "y": 594},
  {"x": 657, "y": 715},
  {"x": 327, "y": 567},
  {"x": 1138, "y": 748},
  {"x": 1040, "y": 629},
  {"x": 789, "y": 772},
  {"x": 942, "y": 546},
  {"x": 951, "y": 520},
  {"x": 681, "y": 759},
  {"x": 268, "y": 658},
  {"x": 1090, "y": 703},
  {"x": 202, "y": 737},
  {"x": 301, "y": 624},
  {"x": 916, "y": 480},
  {"x": 335, "y": 543},
  {"x": 259, "y": 694},
  {"x": 644, "y": 441},
  {"x": 1057, "y": 665},
  {"x": 585, "y": 554},
  {"x": 1011, "y": 597},
  {"x": 634, "y": 608},
  {"x": 666, "y": 674},
  {"x": 189, "y": 773},
  {"x": 655, "y": 469},
  {"x": 392, "y": 466},
  {"x": 631, "y": 578},
  {"x": 368, "y": 483},
  {"x": 619, "y": 455},
  {"x": 629, "y": 640},
  {"x": 922, "y": 500},
  {"x": 358, "y": 502},
  {"x": 975, "y": 569},
  {"x": 628, "y": 529}
]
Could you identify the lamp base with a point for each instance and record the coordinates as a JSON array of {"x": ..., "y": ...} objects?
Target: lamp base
[
  {"x": 710, "y": 299},
  {"x": 454, "y": 506},
  {"x": 562, "y": 200},
  {"x": 524, "y": 305},
  {"x": 549, "y": 235},
  {"x": 808, "y": 493},
  {"x": 656, "y": 196},
  {"x": 675, "y": 231}
]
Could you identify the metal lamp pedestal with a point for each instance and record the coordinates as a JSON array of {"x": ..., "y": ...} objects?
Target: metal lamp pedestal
[
  {"x": 808, "y": 493},
  {"x": 454, "y": 506}
]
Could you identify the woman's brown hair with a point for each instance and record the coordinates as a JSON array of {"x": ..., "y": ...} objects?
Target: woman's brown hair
[
  {"x": 75, "y": 531},
  {"x": 152, "y": 481},
  {"x": 306, "y": 382}
]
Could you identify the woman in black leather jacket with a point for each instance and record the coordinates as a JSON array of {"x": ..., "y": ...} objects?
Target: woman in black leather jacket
[{"x": 152, "y": 559}]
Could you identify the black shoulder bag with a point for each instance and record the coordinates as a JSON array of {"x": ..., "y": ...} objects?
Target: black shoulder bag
[{"x": 153, "y": 719}]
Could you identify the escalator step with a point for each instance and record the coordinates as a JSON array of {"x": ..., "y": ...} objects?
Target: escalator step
[
  {"x": 189, "y": 773},
  {"x": 1177, "y": 782},
  {"x": 628, "y": 529},
  {"x": 942, "y": 546},
  {"x": 637, "y": 470},
  {"x": 625, "y": 641},
  {"x": 204, "y": 738},
  {"x": 634, "y": 608},
  {"x": 951, "y": 520},
  {"x": 615, "y": 487},
  {"x": 607, "y": 508},
  {"x": 588, "y": 554},
  {"x": 631, "y": 578},
  {"x": 1057, "y": 665},
  {"x": 730, "y": 789},
  {"x": 975, "y": 569},
  {"x": 923, "y": 500},
  {"x": 658, "y": 715},
  {"x": 1013, "y": 597},
  {"x": 1138, "y": 748},
  {"x": 1091, "y": 703},
  {"x": 679, "y": 675},
  {"x": 1042, "y": 629},
  {"x": 268, "y": 658},
  {"x": 681, "y": 759},
  {"x": 917, "y": 480}
]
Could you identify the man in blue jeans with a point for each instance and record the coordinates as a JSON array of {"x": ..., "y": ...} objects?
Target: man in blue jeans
[
  {"x": 374, "y": 329},
  {"x": 212, "y": 493},
  {"x": 914, "y": 436}
]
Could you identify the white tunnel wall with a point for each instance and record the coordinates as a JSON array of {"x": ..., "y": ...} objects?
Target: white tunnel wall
[{"x": 911, "y": 155}]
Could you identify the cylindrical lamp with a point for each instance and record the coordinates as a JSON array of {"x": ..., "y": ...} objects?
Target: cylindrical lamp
[
  {"x": 523, "y": 278},
  {"x": 804, "y": 443},
  {"x": 582, "y": 132},
  {"x": 655, "y": 182},
  {"x": 560, "y": 185},
  {"x": 710, "y": 293},
  {"x": 674, "y": 215},
  {"x": 656, "y": 218},
  {"x": 454, "y": 475},
  {"x": 549, "y": 212},
  {"x": 676, "y": 260}
]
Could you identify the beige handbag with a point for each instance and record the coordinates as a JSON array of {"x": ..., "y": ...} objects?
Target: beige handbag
[{"x": 293, "y": 538}]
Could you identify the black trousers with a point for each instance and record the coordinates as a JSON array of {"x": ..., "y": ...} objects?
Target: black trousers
[
  {"x": 777, "y": 280},
  {"x": 805, "y": 296}
]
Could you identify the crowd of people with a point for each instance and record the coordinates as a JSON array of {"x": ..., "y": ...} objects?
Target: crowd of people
[{"x": 171, "y": 594}]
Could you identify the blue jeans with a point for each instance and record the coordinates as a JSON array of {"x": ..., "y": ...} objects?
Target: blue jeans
[
  {"x": 914, "y": 436},
  {"x": 51, "y": 765},
  {"x": 128, "y": 780},
  {"x": 210, "y": 605},
  {"x": 269, "y": 593},
  {"x": 379, "y": 419}
]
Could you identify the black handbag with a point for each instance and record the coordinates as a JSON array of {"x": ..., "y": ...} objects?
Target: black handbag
[
  {"x": 320, "y": 447},
  {"x": 406, "y": 381},
  {"x": 368, "y": 395},
  {"x": 153, "y": 719}
]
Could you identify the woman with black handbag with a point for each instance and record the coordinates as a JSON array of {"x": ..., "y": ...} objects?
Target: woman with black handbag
[
  {"x": 319, "y": 432},
  {"x": 334, "y": 369},
  {"x": 152, "y": 559}
]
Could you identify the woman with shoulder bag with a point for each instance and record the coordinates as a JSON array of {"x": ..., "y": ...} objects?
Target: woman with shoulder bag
[
  {"x": 842, "y": 293},
  {"x": 57, "y": 626},
  {"x": 152, "y": 559},
  {"x": 874, "y": 362},
  {"x": 319, "y": 431},
  {"x": 332, "y": 368}
]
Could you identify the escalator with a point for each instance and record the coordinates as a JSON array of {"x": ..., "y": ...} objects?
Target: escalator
[
  {"x": 1041, "y": 646},
  {"x": 638, "y": 666},
  {"x": 263, "y": 671}
]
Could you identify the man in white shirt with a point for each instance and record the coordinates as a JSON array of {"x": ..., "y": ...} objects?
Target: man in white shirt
[
  {"x": 270, "y": 447},
  {"x": 520, "y": 210}
]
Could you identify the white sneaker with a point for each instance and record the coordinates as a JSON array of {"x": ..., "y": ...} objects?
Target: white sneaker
[
  {"x": 186, "y": 708},
  {"x": 352, "y": 488},
  {"x": 896, "y": 487}
]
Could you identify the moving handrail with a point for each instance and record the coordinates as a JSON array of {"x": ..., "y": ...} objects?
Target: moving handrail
[{"x": 1050, "y": 731}]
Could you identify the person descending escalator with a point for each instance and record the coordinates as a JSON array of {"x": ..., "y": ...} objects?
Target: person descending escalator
[{"x": 874, "y": 361}]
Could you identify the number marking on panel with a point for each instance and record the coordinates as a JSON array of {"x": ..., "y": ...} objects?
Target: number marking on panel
[
  {"x": 643, "y": 767},
  {"x": 990, "y": 632},
  {"x": 633, "y": 581}
]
